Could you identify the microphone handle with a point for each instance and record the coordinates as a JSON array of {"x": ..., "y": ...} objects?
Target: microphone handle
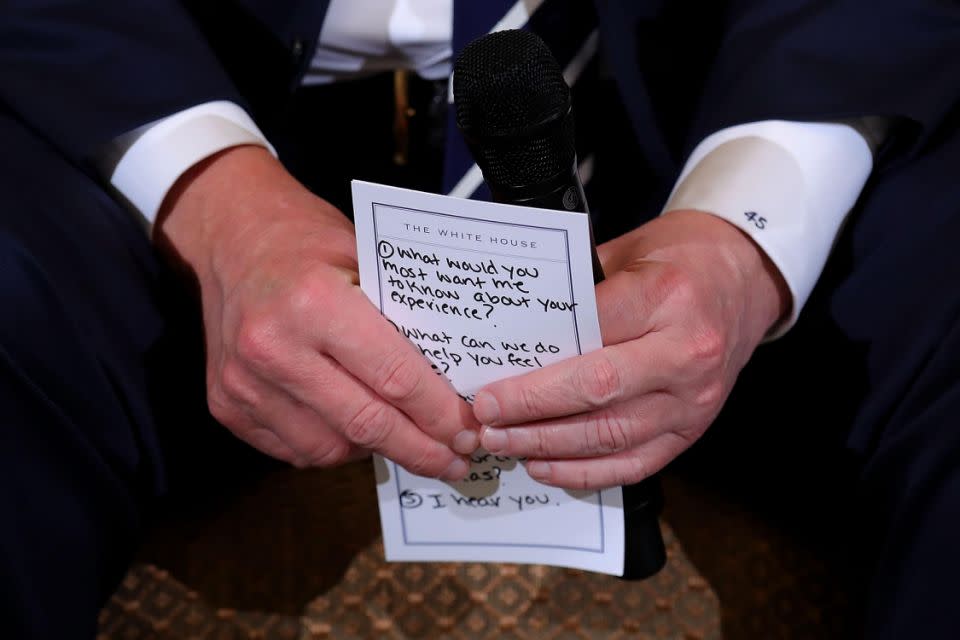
[
  {"x": 644, "y": 550},
  {"x": 565, "y": 194}
]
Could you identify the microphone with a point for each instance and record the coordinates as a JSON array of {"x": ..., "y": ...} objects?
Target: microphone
[{"x": 514, "y": 110}]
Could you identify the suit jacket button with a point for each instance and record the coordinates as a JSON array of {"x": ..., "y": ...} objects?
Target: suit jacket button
[{"x": 296, "y": 49}]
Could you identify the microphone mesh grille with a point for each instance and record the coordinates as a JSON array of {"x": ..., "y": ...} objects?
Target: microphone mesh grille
[{"x": 513, "y": 106}]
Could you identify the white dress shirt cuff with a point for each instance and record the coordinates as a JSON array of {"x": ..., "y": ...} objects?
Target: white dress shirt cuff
[
  {"x": 788, "y": 185},
  {"x": 166, "y": 149}
]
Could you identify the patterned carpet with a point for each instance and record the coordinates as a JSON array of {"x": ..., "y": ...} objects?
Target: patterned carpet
[
  {"x": 461, "y": 602},
  {"x": 299, "y": 557},
  {"x": 296, "y": 555}
]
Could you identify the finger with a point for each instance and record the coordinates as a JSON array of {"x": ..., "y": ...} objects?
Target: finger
[
  {"x": 627, "y": 302},
  {"x": 365, "y": 420},
  {"x": 389, "y": 364},
  {"x": 264, "y": 439},
  {"x": 589, "y": 435},
  {"x": 314, "y": 442},
  {"x": 271, "y": 409},
  {"x": 597, "y": 380},
  {"x": 620, "y": 469},
  {"x": 261, "y": 438}
]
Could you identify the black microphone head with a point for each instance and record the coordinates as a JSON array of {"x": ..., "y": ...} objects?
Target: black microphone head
[{"x": 513, "y": 108}]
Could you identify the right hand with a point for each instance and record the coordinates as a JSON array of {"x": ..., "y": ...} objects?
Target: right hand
[{"x": 300, "y": 364}]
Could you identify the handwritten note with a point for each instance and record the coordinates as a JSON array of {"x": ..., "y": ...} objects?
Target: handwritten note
[{"x": 486, "y": 292}]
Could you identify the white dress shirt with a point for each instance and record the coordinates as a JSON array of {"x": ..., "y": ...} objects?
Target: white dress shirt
[
  {"x": 364, "y": 38},
  {"x": 788, "y": 185}
]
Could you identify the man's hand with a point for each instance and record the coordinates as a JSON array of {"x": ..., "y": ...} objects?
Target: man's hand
[
  {"x": 686, "y": 301},
  {"x": 299, "y": 363}
]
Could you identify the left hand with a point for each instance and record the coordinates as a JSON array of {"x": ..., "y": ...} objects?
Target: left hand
[{"x": 687, "y": 299}]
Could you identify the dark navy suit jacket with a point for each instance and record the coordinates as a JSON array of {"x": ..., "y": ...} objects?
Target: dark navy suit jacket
[{"x": 82, "y": 73}]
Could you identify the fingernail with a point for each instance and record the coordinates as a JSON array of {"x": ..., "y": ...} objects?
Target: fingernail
[
  {"x": 456, "y": 471},
  {"x": 485, "y": 408},
  {"x": 538, "y": 470},
  {"x": 466, "y": 442},
  {"x": 494, "y": 440}
]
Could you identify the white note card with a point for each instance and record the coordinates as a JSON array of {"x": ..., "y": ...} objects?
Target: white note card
[{"x": 485, "y": 291}]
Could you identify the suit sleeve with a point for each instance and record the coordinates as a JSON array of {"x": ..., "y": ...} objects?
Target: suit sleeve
[
  {"x": 814, "y": 61},
  {"x": 82, "y": 73}
]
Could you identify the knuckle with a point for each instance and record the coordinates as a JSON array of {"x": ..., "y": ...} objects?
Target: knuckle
[
  {"x": 686, "y": 437},
  {"x": 399, "y": 379},
  {"x": 309, "y": 296},
  {"x": 235, "y": 384},
  {"x": 584, "y": 479},
  {"x": 369, "y": 426},
  {"x": 425, "y": 463},
  {"x": 631, "y": 471},
  {"x": 285, "y": 456},
  {"x": 674, "y": 284},
  {"x": 682, "y": 289},
  {"x": 708, "y": 347},
  {"x": 329, "y": 454},
  {"x": 609, "y": 435},
  {"x": 266, "y": 441},
  {"x": 600, "y": 382},
  {"x": 530, "y": 402},
  {"x": 220, "y": 407},
  {"x": 710, "y": 396},
  {"x": 256, "y": 342},
  {"x": 542, "y": 442},
  {"x": 300, "y": 462}
]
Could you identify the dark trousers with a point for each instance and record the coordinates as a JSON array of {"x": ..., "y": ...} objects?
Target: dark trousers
[
  {"x": 102, "y": 388},
  {"x": 851, "y": 422},
  {"x": 80, "y": 317}
]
